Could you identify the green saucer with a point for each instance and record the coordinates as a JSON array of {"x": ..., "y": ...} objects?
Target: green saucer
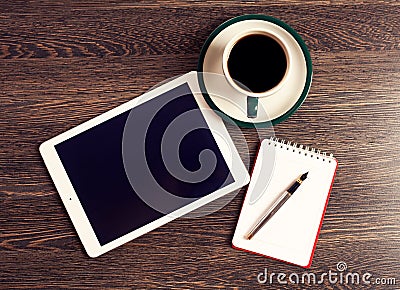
[{"x": 300, "y": 99}]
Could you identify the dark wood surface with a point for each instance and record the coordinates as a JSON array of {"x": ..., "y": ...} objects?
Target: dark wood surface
[{"x": 62, "y": 64}]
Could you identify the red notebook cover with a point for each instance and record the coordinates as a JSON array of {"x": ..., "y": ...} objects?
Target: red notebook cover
[{"x": 291, "y": 234}]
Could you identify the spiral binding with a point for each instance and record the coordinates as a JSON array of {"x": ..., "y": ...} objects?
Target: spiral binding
[{"x": 306, "y": 150}]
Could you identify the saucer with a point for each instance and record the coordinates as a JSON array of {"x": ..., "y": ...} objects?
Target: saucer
[{"x": 231, "y": 104}]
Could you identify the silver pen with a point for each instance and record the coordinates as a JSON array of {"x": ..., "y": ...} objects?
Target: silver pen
[{"x": 276, "y": 206}]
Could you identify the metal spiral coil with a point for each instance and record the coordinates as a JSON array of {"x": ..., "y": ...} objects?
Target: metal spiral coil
[{"x": 301, "y": 148}]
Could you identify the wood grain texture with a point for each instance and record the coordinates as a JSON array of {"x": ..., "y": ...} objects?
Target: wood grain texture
[
  {"x": 62, "y": 64},
  {"x": 65, "y": 32}
]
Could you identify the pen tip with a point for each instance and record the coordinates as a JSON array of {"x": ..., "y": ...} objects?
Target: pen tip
[{"x": 304, "y": 176}]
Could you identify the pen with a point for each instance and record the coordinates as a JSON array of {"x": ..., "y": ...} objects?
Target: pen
[{"x": 276, "y": 206}]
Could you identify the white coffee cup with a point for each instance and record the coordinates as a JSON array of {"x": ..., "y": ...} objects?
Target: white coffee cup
[{"x": 252, "y": 97}]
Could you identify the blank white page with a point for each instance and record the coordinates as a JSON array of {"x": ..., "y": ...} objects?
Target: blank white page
[{"x": 290, "y": 235}]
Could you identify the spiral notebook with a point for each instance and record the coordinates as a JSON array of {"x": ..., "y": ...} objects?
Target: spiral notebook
[{"x": 291, "y": 234}]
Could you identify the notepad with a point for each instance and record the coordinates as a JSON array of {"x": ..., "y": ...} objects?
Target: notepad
[{"x": 291, "y": 234}]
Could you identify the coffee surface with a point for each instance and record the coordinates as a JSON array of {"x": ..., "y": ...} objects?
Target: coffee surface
[{"x": 257, "y": 63}]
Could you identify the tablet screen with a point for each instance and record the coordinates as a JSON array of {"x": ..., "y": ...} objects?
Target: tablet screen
[{"x": 94, "y": 163}]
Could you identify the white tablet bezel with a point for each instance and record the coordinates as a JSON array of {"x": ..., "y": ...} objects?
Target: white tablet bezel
[{"x": 70, "y": 198}]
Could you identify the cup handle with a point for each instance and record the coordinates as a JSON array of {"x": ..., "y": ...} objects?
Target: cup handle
[{"x": 252, "y": 107}]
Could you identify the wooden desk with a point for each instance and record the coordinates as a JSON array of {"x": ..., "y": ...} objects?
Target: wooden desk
[{"x": 62, "y": 64}]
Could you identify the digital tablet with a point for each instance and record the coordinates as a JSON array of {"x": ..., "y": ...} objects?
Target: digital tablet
[{"x": 143, "y": 164}]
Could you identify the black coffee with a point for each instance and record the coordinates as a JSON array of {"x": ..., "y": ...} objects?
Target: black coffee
[{"x": 257, "y": 63}]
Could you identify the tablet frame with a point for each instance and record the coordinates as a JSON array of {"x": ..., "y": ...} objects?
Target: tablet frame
[{"x": 71, "y": 200}]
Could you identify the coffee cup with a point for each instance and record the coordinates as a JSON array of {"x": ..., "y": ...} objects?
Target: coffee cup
[{"x": 256, "y": 63}]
